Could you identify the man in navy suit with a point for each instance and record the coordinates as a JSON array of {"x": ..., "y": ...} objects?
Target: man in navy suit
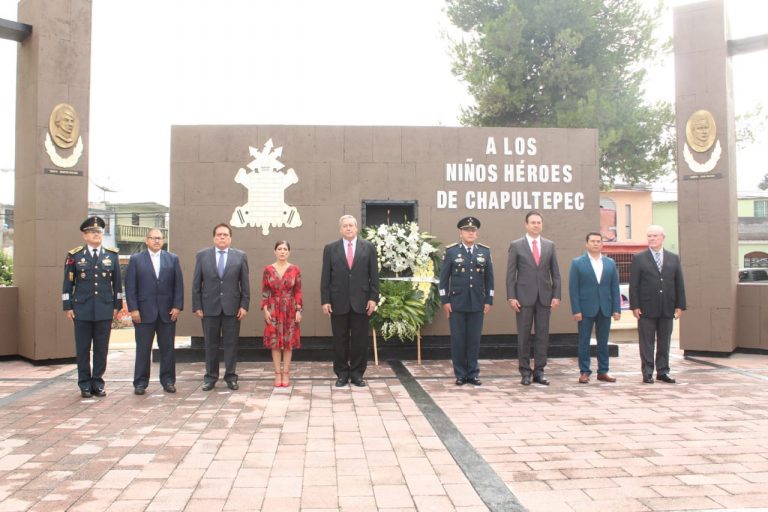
[
  {"x": 593, "y": 284},
  {"x": 221, "y": 295},
  {"x": 349, "y": 293},
  {"x": 533, "y": 291},
  {"x": 154, "y": 289},
  {"x": 656, "y": 297}
]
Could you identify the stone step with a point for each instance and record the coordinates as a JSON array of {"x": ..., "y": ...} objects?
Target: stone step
[{"x": 432, "y": 348}]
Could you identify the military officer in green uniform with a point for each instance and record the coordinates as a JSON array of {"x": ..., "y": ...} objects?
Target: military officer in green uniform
[
  {"x": 92, "y": 295},
  {"x": 466, "y": 292}
]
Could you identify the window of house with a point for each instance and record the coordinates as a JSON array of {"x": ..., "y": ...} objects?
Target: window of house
[
  {"x": 756, "y": 259},
  {"x": 628, "y": 221},
  {"x": 761, "y": 208},
  {"x": 608, "y": 219},
  {"x": 160, "y": 220},
  {"x": 135, "y": 219}
]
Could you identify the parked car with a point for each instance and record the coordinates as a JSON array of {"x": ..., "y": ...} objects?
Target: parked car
[
  {"x": 751, "y": 275},
  {"x": 624, "y": 293}
]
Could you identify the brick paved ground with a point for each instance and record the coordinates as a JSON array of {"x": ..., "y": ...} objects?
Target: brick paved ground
[{"x": 701, "y": 444}]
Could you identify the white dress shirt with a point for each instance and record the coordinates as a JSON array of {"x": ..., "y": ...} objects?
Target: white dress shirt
[{"x": 597, "y": 266}]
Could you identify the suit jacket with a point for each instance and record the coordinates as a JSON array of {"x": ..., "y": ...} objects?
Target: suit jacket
[
  {"x": 348, "y": 289},
  {"x": 589, "y": 297},
  {"x": 214, "y": 295},
  {"x": 153, "y": 296},
  {"x": 528, "y": 283},
  {"x": 657, "y": 294}
]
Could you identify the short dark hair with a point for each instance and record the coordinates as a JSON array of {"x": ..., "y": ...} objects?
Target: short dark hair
[
  {"x": 222, "y": 225},
  {"x": 282, "y": 242},
  {"x": 593, "y": 233},
  {"x": 531, "y": 213}
]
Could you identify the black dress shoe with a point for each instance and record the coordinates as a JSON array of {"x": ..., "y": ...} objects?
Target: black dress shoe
[
  {"x": 233, "y": 385},
  {"x": 541, "y": 380},
  {"x": 526, "y": 380},
  {"x": 475, "y": 381},
  {"x": 341, "y": 382},
  {"x": 207, "y": 386},
  {"x": 666, "y": 378},
  {"x": 648, "y": 380},
  {"x": 99, "y": 392},
  {"x": 85, "y": 393},
  {"x": 139, "y": 390},
  {"x": 170, "y": 388},
  {"x": 461, "y": 382},
  {"x": 360, "y": 383}
]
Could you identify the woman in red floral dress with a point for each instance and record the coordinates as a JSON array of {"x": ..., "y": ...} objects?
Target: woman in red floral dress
[{"x": 282, "y": 305}]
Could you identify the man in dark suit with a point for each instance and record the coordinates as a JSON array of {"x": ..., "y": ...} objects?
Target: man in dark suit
[
  {"x": 221, "y": 295},
  {"x": 349, "y": 293},
  {"x": 593, "y": 284},
  {"x": 533, "y": 291},
  {"x": 92, "y": 295},
  {"x": 656, "y": 297},
  {"x": 154, "y": 289},
  {"x": 466, "y": 292}
]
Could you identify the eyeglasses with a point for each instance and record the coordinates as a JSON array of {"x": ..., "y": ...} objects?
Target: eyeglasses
[{"x": 155, "y": 238}]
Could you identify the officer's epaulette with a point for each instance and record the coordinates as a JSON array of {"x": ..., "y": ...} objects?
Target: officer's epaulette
[
  {"x": 76, "y": 250},
  {"x": 112, "y": 249},
  {"x": 452, "y": 245},
  {"x": 483, "y": 245}
]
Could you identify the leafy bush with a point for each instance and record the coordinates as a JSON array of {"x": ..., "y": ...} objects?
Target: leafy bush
[{"x": 6, "y": 269}]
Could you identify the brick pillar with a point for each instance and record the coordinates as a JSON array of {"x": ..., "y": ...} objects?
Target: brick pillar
[
  {"x": 706, "y": 163},
  {"x": 54, "y": 65}
]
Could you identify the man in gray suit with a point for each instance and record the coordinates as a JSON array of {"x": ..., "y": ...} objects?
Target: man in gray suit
[
  {"x": 220, "y": 297},
  {"x": 349, "y": 293},
  {"x": 656, "y": 298},
  {"x": 533, "y": 291}
]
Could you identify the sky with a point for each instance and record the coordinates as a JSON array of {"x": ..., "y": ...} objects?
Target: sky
[{"x": 156, "y": 63}]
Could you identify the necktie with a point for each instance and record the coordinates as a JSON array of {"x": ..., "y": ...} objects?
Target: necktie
[
  {"x": 95, "y": 254},
  {"x": 657, "y": 257},
  {"x": 469, "y": 251},
  {"x": 536, "y": 255},
  {"x": 221, "y": 264},
  {"x": 156, "y": 264},
  {"x": 349, "y": 254}
]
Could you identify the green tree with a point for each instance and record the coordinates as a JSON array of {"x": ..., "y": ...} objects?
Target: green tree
[
  {"x": 763, "y": 185},
  {"x": 6, "y": 269},
  {"x": 568, "y": 64}
]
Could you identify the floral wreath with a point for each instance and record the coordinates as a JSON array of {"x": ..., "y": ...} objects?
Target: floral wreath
[{"x": 408, "y": 267}]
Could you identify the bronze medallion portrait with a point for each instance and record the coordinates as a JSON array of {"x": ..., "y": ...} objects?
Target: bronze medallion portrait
[
  {"x": 700, "y": 131},
  {"x": 64, "y": 126}
]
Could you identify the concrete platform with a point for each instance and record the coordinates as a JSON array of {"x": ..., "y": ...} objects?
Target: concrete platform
[{"x": 411, "y": 440}]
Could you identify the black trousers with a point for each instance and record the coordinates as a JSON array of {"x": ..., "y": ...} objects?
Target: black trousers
[
  {"x": 466, "y": 331},
  {"x": 534, "y": 317},
  {"x": 654, "y": 332},
  {"x": 145, "y": 334},
  {"x": 350, "y": 345},
  {"x": 221, "y": 331},
  {"x": 87, "y": 334}
]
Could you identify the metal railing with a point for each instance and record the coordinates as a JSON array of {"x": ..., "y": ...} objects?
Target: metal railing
[{"x": 129, "y": 233}]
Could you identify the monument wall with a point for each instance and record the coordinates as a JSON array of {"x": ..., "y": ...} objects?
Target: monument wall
[{"x": 237, "y": 174}]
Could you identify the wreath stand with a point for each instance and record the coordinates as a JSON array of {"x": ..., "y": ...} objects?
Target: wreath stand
[{"x": 376, "y": 348}]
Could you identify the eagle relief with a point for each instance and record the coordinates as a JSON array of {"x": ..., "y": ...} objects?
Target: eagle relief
[{"x": 266, "y": 185}]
